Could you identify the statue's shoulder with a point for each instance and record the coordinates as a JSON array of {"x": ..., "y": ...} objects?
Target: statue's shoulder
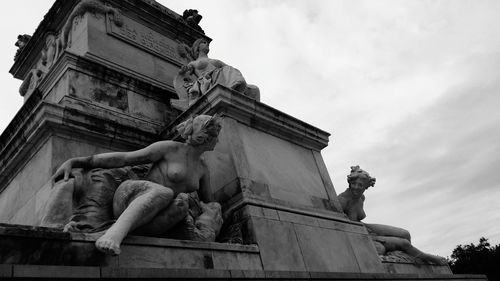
[{"x": 168, "y": 145}]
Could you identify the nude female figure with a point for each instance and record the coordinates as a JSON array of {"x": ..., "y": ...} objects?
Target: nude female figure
[
  {"x": 176, "y": 168},
  {"x": 385, "y": 237}
]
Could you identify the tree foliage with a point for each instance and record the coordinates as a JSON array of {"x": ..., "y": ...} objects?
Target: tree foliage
[{"x": 477, "y": 259}]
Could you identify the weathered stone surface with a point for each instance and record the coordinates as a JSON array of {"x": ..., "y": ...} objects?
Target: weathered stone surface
[
  {"x": 279, "y": 245},
  {"x": 46, "y": 271},
  {"x": 365, "y": 253},
  {"x": 46, "y": 246},
  {"x": 326, "y": 250}
]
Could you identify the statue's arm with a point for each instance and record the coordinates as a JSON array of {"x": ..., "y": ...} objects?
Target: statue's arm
[
  {"x": 149, "y": 154},
  {"x": 205, "y": 190},
  {"x": 217, "y": 63}
]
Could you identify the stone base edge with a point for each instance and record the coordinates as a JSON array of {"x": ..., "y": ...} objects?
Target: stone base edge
[{"x": 87, "y": 273}]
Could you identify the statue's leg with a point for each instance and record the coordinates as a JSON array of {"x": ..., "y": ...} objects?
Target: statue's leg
[
  {"x": 135, "y": 203},
  {"x": 401, "y": 244},
  {"x": 166, "y": 218},
  {"x": 388, "y": 230}
]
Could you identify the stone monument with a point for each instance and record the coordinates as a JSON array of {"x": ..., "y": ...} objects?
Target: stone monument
[{"x": 104, "y": 77}]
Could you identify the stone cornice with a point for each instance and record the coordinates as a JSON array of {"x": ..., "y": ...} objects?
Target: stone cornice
[{"x": 253, "y": 114}]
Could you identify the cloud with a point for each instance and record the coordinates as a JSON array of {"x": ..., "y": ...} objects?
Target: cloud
[{"x": 438, "y": 167}]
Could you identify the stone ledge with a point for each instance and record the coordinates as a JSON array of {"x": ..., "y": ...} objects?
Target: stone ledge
[
  {"x": 41, "y": 246},
  {"x": 85, "y": 272},
  {"x": 28, "y": 231},
  {"x": 253, "y": 114}
]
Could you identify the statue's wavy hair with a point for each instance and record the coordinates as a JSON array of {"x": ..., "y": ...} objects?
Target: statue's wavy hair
[
  {"x": 200, "y": 129},
  {"x": 357, "y": 172}
]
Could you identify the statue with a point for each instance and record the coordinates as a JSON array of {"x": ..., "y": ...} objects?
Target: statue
[
  {"x": 202, "y": 73},
  {"x": 145, "y": 206},
  {"x": 22, "y": 40},
  {"x": 386, "y": 238},
  {"x": 193, "y": 19}
]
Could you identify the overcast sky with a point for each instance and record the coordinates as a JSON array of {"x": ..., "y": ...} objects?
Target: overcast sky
[{"x": 409, "y": 91}]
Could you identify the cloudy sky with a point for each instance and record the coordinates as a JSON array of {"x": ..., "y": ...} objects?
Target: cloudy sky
[{"x": 409, "y": 90}]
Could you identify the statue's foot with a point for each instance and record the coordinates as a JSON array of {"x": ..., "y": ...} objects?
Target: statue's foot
[
  {"x": 108, "y": 245},
  {"x": 432, "y": 258},
  {"x": 70, "y": 227}
]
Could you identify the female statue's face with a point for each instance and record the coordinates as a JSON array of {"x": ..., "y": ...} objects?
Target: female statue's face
[
  {"x": 358, "y": 187},
  {"x": 203, "y": 47}
]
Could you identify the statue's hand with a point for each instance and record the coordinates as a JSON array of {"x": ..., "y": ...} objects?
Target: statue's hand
[{"x": 63, "y": 171}]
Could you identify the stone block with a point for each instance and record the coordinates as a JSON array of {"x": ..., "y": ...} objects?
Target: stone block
[
  {"x": 8, "y": 198},
  {"x": 48, "y": 271},
  {"x": 147, "y": 107},
  {"x": 133, "y": 55},
  {"x": 97, "y": 91},
  {"x": 346, "y": 226},
  {"x": 235, "y": 260},
  {"x": 73, "y": 146},
  {"x": 5, "y": 271},
  {"x": 407, "y": 268},
  {"x": 326, "y": 249},
  {"x": 41, "y": 199},
  {"x": 19, "y": 202},
  {"x": 294, "y": 172},
  {"x": 278, "y": 245},
  {"x": 287, "y": 275},
  {"x": 270, "y": 213},
  {"x": 253, "y": 211},
  {"x": 247, "y": 274},
  {"x": 25, "y": 214},
  {"x": 365, "y": 253},
  {"x": 138, "y": 256},
  {"x": 297, "y": 218},
  {"x": 164, "y": 273}
]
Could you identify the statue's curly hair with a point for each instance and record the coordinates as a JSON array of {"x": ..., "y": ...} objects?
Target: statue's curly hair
[
  {"x": 200, "y": 129},
  {"x": 357, "y": 172},
  {"x": 195, "y": 47}
]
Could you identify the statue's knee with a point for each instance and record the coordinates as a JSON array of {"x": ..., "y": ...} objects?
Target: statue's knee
[
  {"x": 405, "y": 244},
  {"x": 162, "y": 193},
  {"x": 407, "y": 235}
]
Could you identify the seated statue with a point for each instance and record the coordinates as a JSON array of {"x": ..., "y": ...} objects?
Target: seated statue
[
  {"x": 202, "y": 73},
  {"x": 145, "y": 206},
  {"x": 385, "y": 237}
]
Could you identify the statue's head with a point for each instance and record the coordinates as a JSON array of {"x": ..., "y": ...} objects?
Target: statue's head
[
  {"x": 359, "y": 180},
  {"x": 201, "y": 130},
  {"x": 200, "y": 45}
]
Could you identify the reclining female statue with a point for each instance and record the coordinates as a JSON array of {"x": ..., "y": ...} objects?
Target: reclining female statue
[
  {"x": 177, "y": 168},
  {"x": 385, "y": 237},
  {"x": 201, "y": 73}
]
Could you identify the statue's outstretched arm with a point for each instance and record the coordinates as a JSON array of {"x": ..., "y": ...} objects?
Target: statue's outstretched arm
[{"x": 149, "y": 154}]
